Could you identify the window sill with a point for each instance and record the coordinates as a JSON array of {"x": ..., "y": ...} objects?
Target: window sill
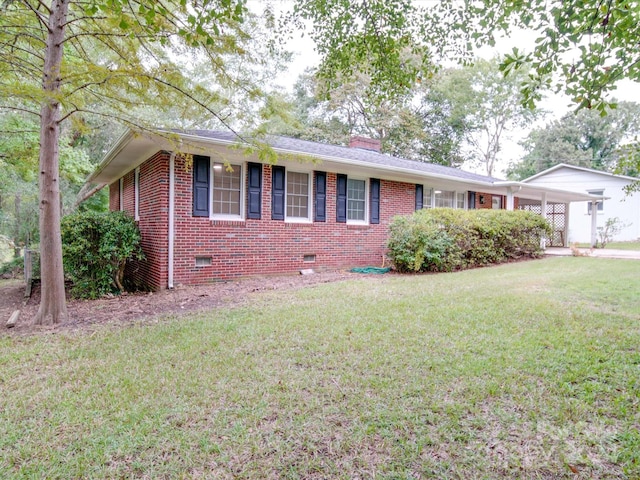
[
  {"x": 298, "y": 221},
  {"x": 358, "y": 226},
  {"x": 228, "y": 222},
  {"x": 298, "y": 225}
]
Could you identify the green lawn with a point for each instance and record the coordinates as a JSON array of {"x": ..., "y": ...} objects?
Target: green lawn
[
  {"x": 616, "y": 245},
  {"x": 528, "y": 370}
]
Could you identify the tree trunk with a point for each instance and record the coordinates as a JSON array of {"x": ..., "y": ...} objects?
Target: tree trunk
[
  {"x": 16, "y": 225},
  {"x": 53, "y": 308}
]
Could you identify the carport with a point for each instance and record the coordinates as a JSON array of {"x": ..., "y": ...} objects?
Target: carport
[{"x": 552, "y": 204}]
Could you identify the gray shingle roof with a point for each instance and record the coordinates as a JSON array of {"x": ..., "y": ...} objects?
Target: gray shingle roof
[{"x": 347, "y": 153}]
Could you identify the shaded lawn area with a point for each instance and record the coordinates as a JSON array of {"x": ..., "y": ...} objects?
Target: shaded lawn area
[{"x": 527, "y": 370}]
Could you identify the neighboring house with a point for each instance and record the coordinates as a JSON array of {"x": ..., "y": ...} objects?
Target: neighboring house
[
  {"x": 211, "y": 213},
  {"x": 617, "y": 203}
]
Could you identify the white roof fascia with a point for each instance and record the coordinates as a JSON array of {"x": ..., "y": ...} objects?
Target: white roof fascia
[
  {"x": 198, "y": 141},
  {"x": 578, "y": 196},
  {"x": 120, "y": 144},
  {"x": 576, "y": 167},
  {"x": 346, "y": 161}
]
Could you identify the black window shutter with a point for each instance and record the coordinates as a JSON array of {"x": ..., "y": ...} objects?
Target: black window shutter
[
  {"x": 277, "y": 193},
  {"x": 472, "y": 200},
  {"x": 254, "y": 208},
  {"x": 374, "y": 203},
  {"x": 201, "y": 166},
  {"x": 320, "y": 199},
  {"x": 419, "y": 196},
  {"x": 341, "y": 200}
]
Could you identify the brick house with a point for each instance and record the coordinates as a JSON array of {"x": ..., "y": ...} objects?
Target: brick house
[{"x": 210, "y": 212}]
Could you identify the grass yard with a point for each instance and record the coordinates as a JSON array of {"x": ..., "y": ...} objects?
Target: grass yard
[{"x": 527, "y": 370}]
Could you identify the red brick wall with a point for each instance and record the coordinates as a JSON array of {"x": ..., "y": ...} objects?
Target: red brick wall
[
  {"x": 153, "y": 224},
  {"x": 127, "y": 193},
  {"x": 246, "y": 247},
  {"x": 114, "y": 196},
  {"x": 251, "y": 247}
]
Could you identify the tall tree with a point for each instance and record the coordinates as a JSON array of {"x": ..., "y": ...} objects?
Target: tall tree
[
  {"x": 488, "y": 104},
  {"x": 585, "y": 138},
  {"x": 111, "y": 57},
  {"x": 415, "y": 125}
]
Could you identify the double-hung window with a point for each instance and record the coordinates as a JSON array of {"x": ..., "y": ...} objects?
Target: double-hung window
[
  {"x": 298, "y": 194},
  {"x": 290, "y": 195},
  {"x": 217, "y": 189},
  {"x": 352, "y": 203},
  {"x": 227, "y": 191},
  {"x": 356, "y": 200}
]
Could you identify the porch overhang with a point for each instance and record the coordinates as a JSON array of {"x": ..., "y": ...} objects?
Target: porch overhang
[{"x": 552, "y": 195}]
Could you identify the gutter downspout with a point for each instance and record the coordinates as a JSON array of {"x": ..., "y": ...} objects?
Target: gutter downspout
[{"x": 172, "y": 196}]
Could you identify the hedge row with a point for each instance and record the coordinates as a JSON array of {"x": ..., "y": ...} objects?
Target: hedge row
[{"x": 445, "y": 239}]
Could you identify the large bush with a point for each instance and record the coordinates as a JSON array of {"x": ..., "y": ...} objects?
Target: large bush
[
  {"x": 444, "y": 239},
  {"x": 96, "y": 247}
]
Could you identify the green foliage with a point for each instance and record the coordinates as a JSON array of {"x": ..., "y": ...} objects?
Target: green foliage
[
  {"x": 487, "y": 104},
  {"x": 444, "y": 239},
  {"x": 96, "y": 247},
  {"x": 12, "y": 268},
  {"x": 610, "y": 229},
  {"x": 584, "y": 138},
  {"x": 19, "y": 149},
  {"x": 378, "y": 38},
  {"x": 417, "y": 125},
  {"x": 582, "y": 47},
  {"x": 418, "y": 243}
]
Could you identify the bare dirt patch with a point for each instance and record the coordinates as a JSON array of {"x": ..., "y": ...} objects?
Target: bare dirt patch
[{"x": 85, "y": 314}]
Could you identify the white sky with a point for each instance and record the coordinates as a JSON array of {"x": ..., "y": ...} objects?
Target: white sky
[{"x": 557, "y": 105}]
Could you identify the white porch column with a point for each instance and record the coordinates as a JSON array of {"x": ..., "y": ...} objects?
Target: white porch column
[
  {"x": 543, "y": 212},
  {"x": 509, "y": 205},
  {"x": 594, "y": 223}
]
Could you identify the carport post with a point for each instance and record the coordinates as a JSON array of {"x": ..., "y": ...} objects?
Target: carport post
[
  {"x": 510, "y": 199},
  {"x": 543, "y": 212},
  {"x": 594, "y": 223}
]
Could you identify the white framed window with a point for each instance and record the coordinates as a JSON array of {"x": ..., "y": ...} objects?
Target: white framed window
[
  {"x": 356, "y": 200},
  {"x": 437, "y": 198},
  {"x": 496, "y": 202},
  {"x": 600, "y": 204},
  {"x": 227, "y": 192},
  {"x": 444, "y": 198},
  {"x": 427, "y": 198},
  {"x": 298, "y": 196}
]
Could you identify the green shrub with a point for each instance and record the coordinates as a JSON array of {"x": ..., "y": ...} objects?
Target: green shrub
[
  {"x": 13, "y": 268},
  {"x": 444, "y": 239},
  {"x": 417, "y": 242},
  {"x": 96, "y": 247}
]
